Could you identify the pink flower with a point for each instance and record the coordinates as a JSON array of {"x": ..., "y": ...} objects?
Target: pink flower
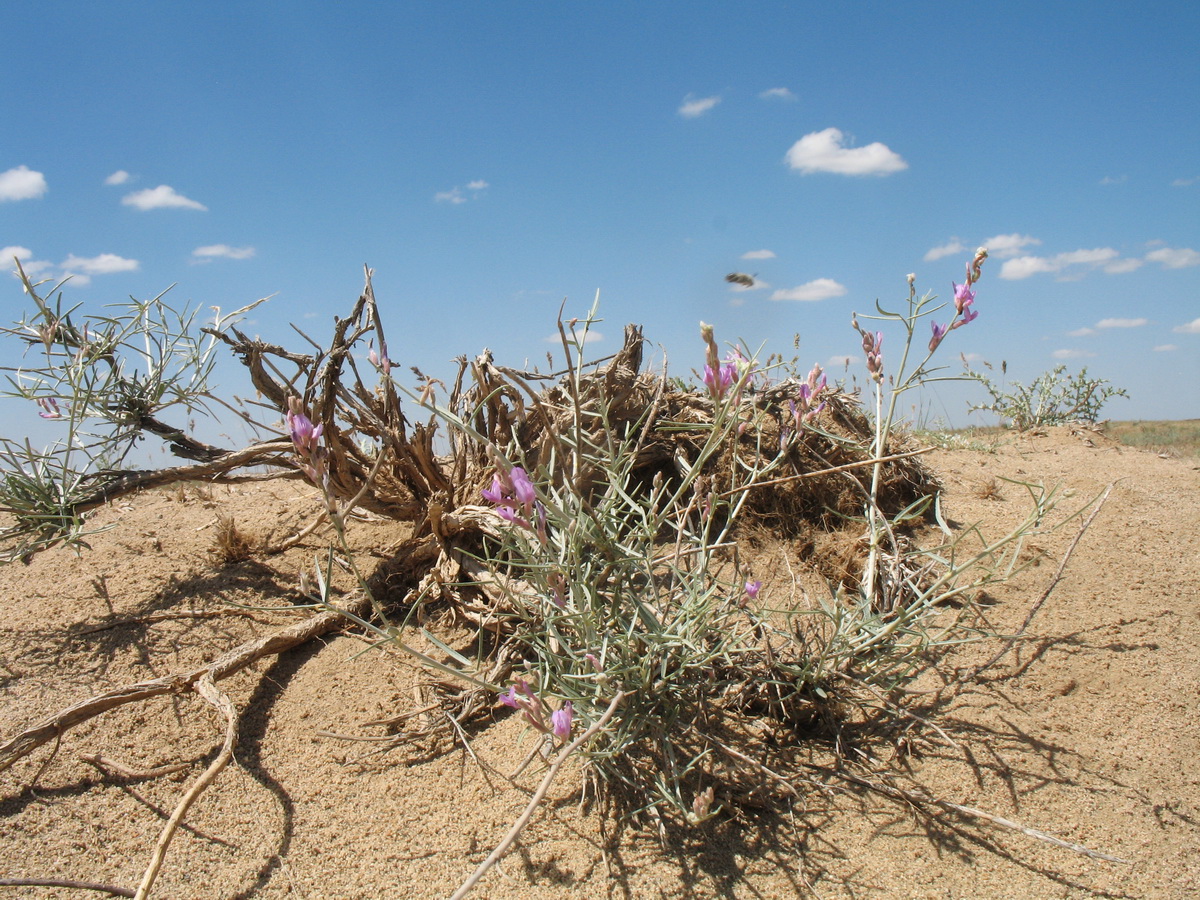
[
  {"x": 969, "y": 316},
  {"x": 752, "y": 589},
  {"x": 49, "y": 407},
  {"x": 939, "y": 332},
  {"x": 560, "y": 721},
  {"x": 963, "y": 296}
]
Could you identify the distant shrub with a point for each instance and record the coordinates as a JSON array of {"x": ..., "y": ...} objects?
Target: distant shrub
[{"x": 1053, "y": 398}]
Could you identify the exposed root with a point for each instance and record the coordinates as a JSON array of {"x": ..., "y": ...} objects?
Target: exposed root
[{"x": 234, "y": 661}]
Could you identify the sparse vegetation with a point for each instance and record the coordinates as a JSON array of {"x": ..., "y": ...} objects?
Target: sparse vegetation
[
  {"x": 1053, "y": 398},
  {"x": 584, "y": 525}
]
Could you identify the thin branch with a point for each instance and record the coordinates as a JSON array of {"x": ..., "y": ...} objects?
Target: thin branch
[
  {"x": 540, "y": 794},
  {"x": 1011, "y": 642},
  {"x": 234, "y": 661},
  {"x": 206, "y": 687},
  {"x": 113, "y": 889}
]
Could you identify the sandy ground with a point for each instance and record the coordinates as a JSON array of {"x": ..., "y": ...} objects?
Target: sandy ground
[{"x": 1090, "y": 732}]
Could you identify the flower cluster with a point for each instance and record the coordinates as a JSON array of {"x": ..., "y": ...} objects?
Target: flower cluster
[
  {"x": 306, "y": 438},
  {"x": 515, "y": 499},
  {"x": 963, "y": 298},
  {"x": 521, "y": 696},
  {"x": 872, "y": 344},
  {"x": 809, "y": 408},
  {"x": 50, "y": 408},
  {"x": 721, "y": 375}
]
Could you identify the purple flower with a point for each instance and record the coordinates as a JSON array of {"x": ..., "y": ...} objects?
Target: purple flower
[
  {"x": 49, "y": 407},
  {"x": 305, "y": 436},
  {"x": 752, "y": 589},
  {"x": 939, "y": 332},
  {"x": 522, "y": 488},
  {"x": 495, "y": 495},
  {"x": 969, "y": 316},
  {"x": 509, "y": 697},
  {"x": 719, "y": 381},
  {"x": 963, "y": 296},
  {"x": 561, "y": 720}
]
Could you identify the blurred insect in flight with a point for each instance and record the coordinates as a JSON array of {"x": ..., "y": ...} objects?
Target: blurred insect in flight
[{"x": 740, "y": 278}]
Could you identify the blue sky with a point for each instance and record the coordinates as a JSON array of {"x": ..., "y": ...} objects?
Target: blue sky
[{"x": 490, "y": 159}]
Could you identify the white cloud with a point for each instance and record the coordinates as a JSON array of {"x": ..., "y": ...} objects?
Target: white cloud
[
  {"x": 21, "y": 183},
  {"x": 954, "y": 246},
  {"x": 842, "y": 362},
  {"x": 1185, "y": 182},
  {"x": 118, "y": 177},
  {"x": 213, "y": 251},
  {"x": 162, "y": 197},
  {"x": 1165, "y": 348},
  {"x": 21, "y": 253},
  {"x": 693, "y": 107},
  {"x": 454, "y": 195},
  {"x": 1025, "y": 266},
  {"x": 104, "y": 264},
  {"x": 1072, "y": 354},
  {"x": 1003, "y": 246},
  {"x": 1109, "y": 179},
  {"x": 824, "y": 151},
  {"x": 1192, "y": 327},
  {"x": 1082, "y": 332},
  {"x": 590, "y": 338},
  {"x": 758, "y": 254},
  {"x": 1175, "y": 257},
  {"x": 779, "y": 93},
  {"x": 1121, "y": 266},
  {"x": 1122, "y": 323},
  {"x": 820, "y": 289},
  {"x": 32, "y": 266}
]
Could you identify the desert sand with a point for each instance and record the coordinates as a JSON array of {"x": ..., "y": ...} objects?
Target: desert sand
[{"x": 1089, "y": 730}]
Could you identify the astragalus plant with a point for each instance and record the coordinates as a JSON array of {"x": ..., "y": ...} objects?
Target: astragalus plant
[{"x": 584, "y": 530}]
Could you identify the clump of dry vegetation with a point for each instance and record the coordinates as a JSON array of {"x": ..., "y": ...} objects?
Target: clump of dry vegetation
[{"x": 582, "y": 525}]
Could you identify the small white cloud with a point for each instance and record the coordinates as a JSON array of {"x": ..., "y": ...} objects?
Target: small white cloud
[
  {"x": 842, "y": 362},
  {"x": 824, "y": 151},
  {"x": 1110, "y": 179},
  {"x": 949, "y": 249},
  {"x": 970, "y": 357},
  {"x": 1025, "y": 266},
  {"x": 118, "y": 177},
  {"x": 1072, "y": 354},
  {"x": 32, "y": 267},
  {"x": 214, "y": 251},
  {"x": 1122, "y": 323},
  {"x": 477, "y": 185},
  {"x": 1175, "y": 257},
  {"x": 1002, "y": 246},
  {"x": 21, "y": 253},
  {"x": 454, "y": 195},
  {"x": 162, "y": 197},
  {"x": 758, "y": 254},
  {"x": 21, "y": 183},
  {"x": 1192, "y": 327},
  {"x": 693, "y": 107},
  {"x": 104, "y": 264},
  {"x": 590, "y": 338},
  {"x": 820, "y": 289},
  {"x": 1121, "y": 266},
  {"x": 1185, "y": 182},
  {"x": 1082, "y": 332},
  {"x": 779, "y": 93},
  {"x": 1165, "y": 348}
]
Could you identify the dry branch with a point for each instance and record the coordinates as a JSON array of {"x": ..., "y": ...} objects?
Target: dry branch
[{"x": 230, "y": 663}]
